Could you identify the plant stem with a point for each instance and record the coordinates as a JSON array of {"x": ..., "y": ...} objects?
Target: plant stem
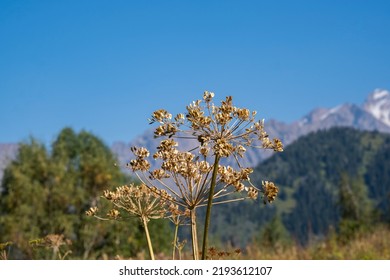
[
  {"x": 54, "y": 255},
  {"x": 179, "y": 254},
  {"x": 175, "y": 241},
  {"x": 194, "y": 236},
  {"x": 148, "y": 240},
  {"x": 209, "y": 204}
]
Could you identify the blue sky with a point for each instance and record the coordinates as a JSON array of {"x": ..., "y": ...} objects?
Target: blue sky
[{"x": 104, "y": 66}]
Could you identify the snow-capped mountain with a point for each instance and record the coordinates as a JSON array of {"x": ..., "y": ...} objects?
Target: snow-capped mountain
[
  {"x": 373, "y": 114},
  {"x": 348, "y": 115},
  {"x": 378, "y": 104}
]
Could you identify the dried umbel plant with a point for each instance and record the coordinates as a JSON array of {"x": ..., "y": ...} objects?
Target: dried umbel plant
[
  {"x": 4, "y": 247},
  {"x": 197, "y": 175},
  {"x": 178, "y": 218},
  {"x": 136, "y": 201},
  {"x": 54, "y": 242}
]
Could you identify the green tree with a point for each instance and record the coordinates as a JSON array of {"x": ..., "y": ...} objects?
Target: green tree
[
  {"x": 356, "y": 207},
  {"x": 273, "y": 235},
  {"x": 378, "y": 180},
  {"x": 48, "y": 193},
  {"x": 24, "y": 190}
]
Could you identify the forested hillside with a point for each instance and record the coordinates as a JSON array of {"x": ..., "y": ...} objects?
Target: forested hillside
[
  {"x": 330, "y": 181},
  {"x": 322, "y": 177}
]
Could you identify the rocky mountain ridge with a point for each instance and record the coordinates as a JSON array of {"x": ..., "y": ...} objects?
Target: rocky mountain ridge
[{"x": 373, "y": 114}]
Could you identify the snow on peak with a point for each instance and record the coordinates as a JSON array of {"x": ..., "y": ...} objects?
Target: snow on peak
[
  {"x": 378, "y": 104},
  {"x": 331, "y": 111},
  {"x": 380, "y": 93}
]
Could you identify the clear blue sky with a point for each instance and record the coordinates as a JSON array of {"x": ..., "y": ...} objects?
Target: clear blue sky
[{"x": 106, "y": 65}]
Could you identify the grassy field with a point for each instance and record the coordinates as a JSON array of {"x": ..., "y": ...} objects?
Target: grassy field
[{"x": 374, "y": 245}]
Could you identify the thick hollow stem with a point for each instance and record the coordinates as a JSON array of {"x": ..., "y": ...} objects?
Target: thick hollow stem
[
  {"x": 148, "y": 240},
  {"x": 194, "y": 236},
  {"x": 209, "y": 204}
]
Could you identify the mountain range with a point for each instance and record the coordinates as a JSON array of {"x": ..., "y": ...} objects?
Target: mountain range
[{"x": 373, "y": 114}]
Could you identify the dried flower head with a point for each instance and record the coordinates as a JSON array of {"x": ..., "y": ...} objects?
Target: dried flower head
[
  {"x": 199, "y": 178},
  {"x": 139, "y": 201},
  {"x": 221, "y": 131},
  {"x": 270, "y": 191},
  {"x": 92, "y": 211},
  {"x": 140, "y": 163},
  {"x": 252, "y": 193},
  {"x": 113, "y": 214},
  {"x": 55, "y": 241}
]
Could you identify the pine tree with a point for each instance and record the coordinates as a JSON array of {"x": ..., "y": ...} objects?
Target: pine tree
[
  {"x": 273, "y": 235},
  {"x": 355, "y": 206}
]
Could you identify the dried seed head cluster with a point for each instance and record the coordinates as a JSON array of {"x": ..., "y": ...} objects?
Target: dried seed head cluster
[
  {"x": 198, "y": 177},
  {"x": 51, "y": 241},
  {"x": 140, "y": 163},
  {"x": 55, "y": 242},
  {"x": 92, "y": 211},
  {"x": 140, "y": 201},
  {"x": 270, "y": 191},
  {"x": 221, "y": 131},
  {"x": 225, "y": 129},
  {"x": 235, "y": 178}
]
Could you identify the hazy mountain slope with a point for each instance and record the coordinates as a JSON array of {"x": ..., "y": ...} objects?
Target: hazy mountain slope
[{"x": 372, "y": 115}]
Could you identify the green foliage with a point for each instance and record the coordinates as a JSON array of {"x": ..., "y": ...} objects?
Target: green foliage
[
  {"x": 357, "y": 214},
  {"x": 48, "y": 193},
  {"x": 273, "y": 235},
  {"x": 309, "y": 175},
  {"x": 366, "y": 245},
  {"x": 333, "y": 182},
  {"x": 315, "y": 172},
  {"x": 378, "y": 179},
  {"x": 236, "y": 223}
]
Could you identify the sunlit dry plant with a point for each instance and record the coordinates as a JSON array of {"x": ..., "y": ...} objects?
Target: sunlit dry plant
[
  {"x": 198, "y": 177},
  {"x": 53, "y": 242},
  {"x": 215, "y": 254},
  {"x": 136, "y": 201},
  {"x": 178, "y": 218},
  {"x": 4, "y": 247}
]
